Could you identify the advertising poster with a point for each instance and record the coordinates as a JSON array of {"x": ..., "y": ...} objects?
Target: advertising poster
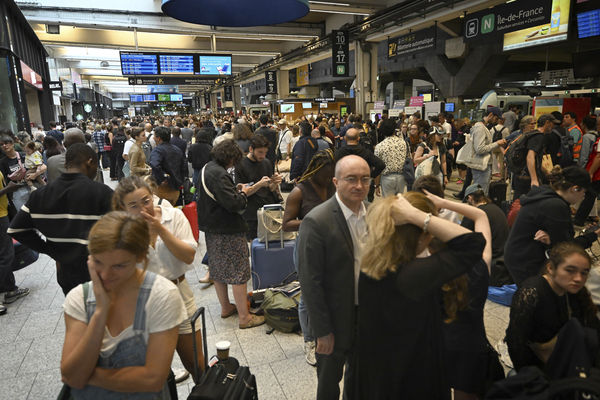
[
  {"x": 302, "y": 75},
  {"x": 413, "y": 42},
  {"x": 546, "y": 106},
  {"x": 553, "y": 31}
]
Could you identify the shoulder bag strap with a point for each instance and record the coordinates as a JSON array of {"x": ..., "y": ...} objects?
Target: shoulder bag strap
[{"x": 208, "y": 192}]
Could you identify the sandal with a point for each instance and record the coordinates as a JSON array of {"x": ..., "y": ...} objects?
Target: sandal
[
  {"x": 230, "y": 313},
  {"x": 255, "y": 320}
]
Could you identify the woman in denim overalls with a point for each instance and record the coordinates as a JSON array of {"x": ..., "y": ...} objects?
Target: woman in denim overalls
[{"x": 121, "y": 328}]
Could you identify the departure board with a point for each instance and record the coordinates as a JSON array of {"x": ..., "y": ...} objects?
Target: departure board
[
  {"x": 136, "y": 98},
  {"x": 164, "y": 97},
  {"x": 176, "y": 97},
  {"x": 588, "y": 23},
  {"x": 139, "y": 64},
  {"x": 176, "y": 64},
  {"x": 149, "y": 97}
]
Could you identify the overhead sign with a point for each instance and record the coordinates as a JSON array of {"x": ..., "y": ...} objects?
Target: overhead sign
[
  {"x": 228, "y": 93},
  {"x": 413, "y": 42},
  {"x": 170, "y": 81},
  {"x": 416, "y": 101},
  {"x": 323, "y": 99},
  {"x": 379, "y": 105},
  {"x": 271, "y": 82},
  {"x": 340, "y": 53},
  {"x": 137, "y": 63},
  {"x": 55, "y": 86},
  {"x": 29, "y": 75},
  {"x": 207, "y": 99},
  {"x": 302, "y": 75},
  {"x": 506, "y": 18},
  {"x": 394, "y": 112},
  {"x": 552, "y": 29},
  {"x": 411, "y": 110}
]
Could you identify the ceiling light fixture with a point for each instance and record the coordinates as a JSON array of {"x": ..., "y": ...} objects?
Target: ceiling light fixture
[{"x": 329, "y": 3}]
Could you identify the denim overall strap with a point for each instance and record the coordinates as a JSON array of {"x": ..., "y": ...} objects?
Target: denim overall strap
[{"x": 139, "y": 321}]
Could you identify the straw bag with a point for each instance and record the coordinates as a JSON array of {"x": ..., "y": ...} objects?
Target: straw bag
[{"x": 270, "y": 224}]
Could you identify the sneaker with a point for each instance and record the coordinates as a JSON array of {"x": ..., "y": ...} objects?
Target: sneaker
[
  {"x": 2, "y": 309},
  {"x": 309, "y": 353},
  {"x": 12, "y": 296},
  {"x": 180, "y": 375}
]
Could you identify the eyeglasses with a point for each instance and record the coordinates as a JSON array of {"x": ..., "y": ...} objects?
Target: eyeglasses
[
  {"x": 532, "y": 123},
  {"x": 353, "y": 180}
]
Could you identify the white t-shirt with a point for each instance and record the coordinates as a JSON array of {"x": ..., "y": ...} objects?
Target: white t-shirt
[
  {"x": 285, "y": 140},
  {"x": 447, "y": 128},
  {"x": 160, "y": 259},
  {"x": 164, "y": 310},
  {"x": 128, "y": 145}
]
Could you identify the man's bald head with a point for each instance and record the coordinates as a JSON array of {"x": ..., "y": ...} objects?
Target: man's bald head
[
  {"x": 350, "y": 162},
  {"x": 148, "y": 127},
  {"x": 352, "y": 135},
  {"x": 72, "y": 136}
]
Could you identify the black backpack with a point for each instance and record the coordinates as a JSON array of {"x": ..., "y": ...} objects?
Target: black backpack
[
  {"x": 118, "y": 143},
  {"x": 565, "y": 151},
  {"x": 516, "y": 152},
  {"x": 147, "y": 149},
  {"x": 366, "y": 141}
]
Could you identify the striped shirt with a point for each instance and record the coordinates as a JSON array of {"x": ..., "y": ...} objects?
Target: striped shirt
[{"x": 57, "y": 218}]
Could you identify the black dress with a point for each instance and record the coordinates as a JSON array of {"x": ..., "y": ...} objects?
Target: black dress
[
  {"x": 400, "y": 349},
  {"x": 465, "y": 340},
  {"x": 537, "y": 314}
]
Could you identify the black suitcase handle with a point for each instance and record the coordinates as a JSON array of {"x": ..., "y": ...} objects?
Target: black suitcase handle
[{"x": 199, "y": 312}]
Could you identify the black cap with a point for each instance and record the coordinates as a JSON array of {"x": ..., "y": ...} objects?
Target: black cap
[{"x": 542, "y": 119}]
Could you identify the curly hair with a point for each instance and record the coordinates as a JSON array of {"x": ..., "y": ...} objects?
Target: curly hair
[{"x": 226, "y": 152}]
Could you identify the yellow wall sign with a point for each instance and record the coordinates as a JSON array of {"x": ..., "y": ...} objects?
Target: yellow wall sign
[{"x": 302, "y": 75}]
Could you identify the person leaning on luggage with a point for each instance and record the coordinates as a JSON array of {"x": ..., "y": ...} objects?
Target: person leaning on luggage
[
  {"x": 121, "y": 328},
  {"x": 220, "y": 205},
  {"x": 329, "y": 248}
]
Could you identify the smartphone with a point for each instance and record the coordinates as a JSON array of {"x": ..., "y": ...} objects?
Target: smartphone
[{"x": 591, "y": 228}]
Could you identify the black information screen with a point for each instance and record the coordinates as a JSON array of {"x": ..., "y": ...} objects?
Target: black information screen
[
  {"x": 177, "y": 64},
  {"x": 139, "y": 64}
]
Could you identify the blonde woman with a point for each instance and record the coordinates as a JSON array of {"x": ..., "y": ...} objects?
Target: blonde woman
[
  {"x": 121, "y": 328},
  {"x": 399, "y": 296}
]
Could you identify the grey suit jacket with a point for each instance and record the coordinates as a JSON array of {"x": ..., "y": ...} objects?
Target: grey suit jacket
[{"x": 326, "y": 272}]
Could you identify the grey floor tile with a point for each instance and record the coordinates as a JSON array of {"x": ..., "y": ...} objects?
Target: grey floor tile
[
  {"x": 267, "y": 384},
  {"x": 12, "y": 356},
  {"x": 38, "y": 362},
  {"x": 47, "y": 385},
  {"x": 297, "y": 379},
  {"x": 40, "y": 323},
  {"x": 220, "y": 324},
  {"x": 292, "y": 344},
  {"x": 495, "y": 328},
  {"x": 16, "y": 387},
  {"x": 259, "y": 348},
  {"x": 11, "y": 325},
  {"x": 235, "y": 350}
]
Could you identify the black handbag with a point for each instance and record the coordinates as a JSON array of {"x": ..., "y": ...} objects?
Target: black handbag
[
  {"x": 408, "y": 169},
  {"x": 24, "y": 256}
]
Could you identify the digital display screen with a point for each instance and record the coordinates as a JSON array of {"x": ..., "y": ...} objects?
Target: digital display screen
[
  {"x": 149, "y": 97},
  {"x": 287, "y": 108},
  {"x": 588, "y": 24},
  {"x": 306, "y": 105},
  {"x": 426, "y": 96},
  {"x": 176, "y": 64},
  {"x": 449, "y": 107},
  {"x": 176, "y": 97},
  {"x": 555, "y": 30},
  {"x": 164, "y": 97},
  {"x": 215, "y": 65},
  {"x": 139, "y": 64},
  {"x": 136, "y": 98}
]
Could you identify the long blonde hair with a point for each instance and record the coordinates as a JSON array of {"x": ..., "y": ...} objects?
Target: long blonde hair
[{"x": 389, "y": 245}]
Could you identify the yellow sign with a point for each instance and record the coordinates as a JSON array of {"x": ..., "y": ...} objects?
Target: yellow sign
[
  {"x": 302, "y": 75},
  {"x": 553, "y": 31}
]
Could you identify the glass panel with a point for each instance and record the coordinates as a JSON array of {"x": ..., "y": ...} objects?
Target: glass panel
[{"x": 8, "y": 116}]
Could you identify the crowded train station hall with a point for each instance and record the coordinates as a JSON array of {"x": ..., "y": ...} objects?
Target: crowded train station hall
[{"x": 298, "y": 199}]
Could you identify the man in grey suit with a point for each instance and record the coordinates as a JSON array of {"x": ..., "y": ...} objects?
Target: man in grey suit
[{"x": 329, "y": 248}]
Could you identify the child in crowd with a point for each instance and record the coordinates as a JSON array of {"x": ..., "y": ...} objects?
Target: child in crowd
[{"x": 33, "y": 160}]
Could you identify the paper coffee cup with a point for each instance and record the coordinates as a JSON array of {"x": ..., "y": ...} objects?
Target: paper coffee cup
[{"x": 223, "y": 349}]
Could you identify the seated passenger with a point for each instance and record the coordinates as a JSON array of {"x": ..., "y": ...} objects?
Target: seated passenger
[
  {"x": 545, "y": 220},
  {"x": 400, "y": 322},
  {"x": 542, "y": 307},
  {"x": 121, "y": 328}
]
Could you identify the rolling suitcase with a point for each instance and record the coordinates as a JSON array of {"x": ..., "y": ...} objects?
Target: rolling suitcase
[{"x": 225, "y": 379}]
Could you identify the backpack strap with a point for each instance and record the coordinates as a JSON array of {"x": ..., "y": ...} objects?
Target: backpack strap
[{"x": 208, "y": 192}]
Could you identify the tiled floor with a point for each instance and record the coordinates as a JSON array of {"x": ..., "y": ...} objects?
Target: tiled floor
[{"x": 31, "y": 337}]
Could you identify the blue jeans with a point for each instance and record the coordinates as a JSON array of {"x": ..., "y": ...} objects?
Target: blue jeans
[
  {"x": 482, "y": 178},
  {"x": 302, "y": 310}
]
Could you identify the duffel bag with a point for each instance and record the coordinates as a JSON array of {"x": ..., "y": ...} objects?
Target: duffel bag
[{"x": 281, "y": 311}]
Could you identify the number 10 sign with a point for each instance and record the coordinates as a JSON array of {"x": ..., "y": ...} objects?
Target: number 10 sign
[{"x": 340, "y": 53}]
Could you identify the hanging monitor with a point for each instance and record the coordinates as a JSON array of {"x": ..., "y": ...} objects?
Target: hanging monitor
[{"x": 215, "y": 64}]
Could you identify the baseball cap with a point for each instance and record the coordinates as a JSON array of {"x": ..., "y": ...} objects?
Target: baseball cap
[
  {"x": 577, "y": 176},
  {"x": 542, "y": 119},
  {"x": 496, "y": 111},
  {"x": 471, "y": 189}
]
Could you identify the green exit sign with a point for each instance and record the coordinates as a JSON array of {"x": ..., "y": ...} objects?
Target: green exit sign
[{"x": 341, "y": 69}]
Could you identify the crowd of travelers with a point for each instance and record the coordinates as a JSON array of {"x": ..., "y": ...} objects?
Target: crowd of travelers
[{"x": 394, "y": 275}]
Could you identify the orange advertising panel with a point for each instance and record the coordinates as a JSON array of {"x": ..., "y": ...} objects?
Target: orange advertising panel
[{"x": 302, "y": 75}]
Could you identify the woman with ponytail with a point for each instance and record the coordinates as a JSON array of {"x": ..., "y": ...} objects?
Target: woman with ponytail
[
  {"x": 545, "y": 220},
  {"x": 543, "y": 310}
]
